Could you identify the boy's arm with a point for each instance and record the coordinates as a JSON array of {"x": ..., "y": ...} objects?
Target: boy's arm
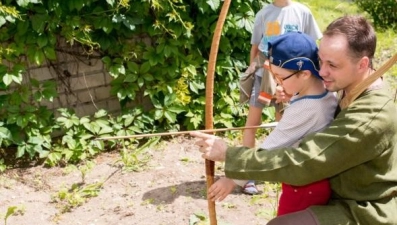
[{"x": 253, "y": 53}]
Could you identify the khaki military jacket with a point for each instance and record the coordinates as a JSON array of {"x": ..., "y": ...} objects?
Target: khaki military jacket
[{"x": 357, "y": 153}]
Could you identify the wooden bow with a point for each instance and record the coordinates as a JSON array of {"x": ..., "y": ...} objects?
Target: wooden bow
[{"x": 209, "y": 99}]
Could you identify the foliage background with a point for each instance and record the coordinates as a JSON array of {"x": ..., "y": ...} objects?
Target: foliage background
[{"x": 153, "y": 49}]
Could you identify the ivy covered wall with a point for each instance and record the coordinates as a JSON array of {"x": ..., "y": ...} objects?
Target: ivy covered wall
[{"x": 154, "y": 51}]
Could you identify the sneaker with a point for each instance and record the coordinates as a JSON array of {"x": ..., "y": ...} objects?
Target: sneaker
[{"x": 250, "y": 188}]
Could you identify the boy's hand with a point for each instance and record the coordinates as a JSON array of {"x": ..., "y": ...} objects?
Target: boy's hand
[{"x": 281, "y": 96}]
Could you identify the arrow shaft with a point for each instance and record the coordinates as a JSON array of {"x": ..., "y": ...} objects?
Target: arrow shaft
[{"x": 266, "y": 125}]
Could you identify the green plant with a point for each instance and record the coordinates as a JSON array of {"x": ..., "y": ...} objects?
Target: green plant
[
  {"x": 84, "y": 169},
  {"x": 134, "y": 159},
  {"x": 13, "y": 210},
  {"x": 160, "y": 54},
  {"x": 198, "y": 219},
  {"x": 383, "y": 12},
  {"x": 3, "y": 167},
  {"x": 270, "y": 197},
  {"x": 76, "y": 195},
  {"x": 10, "y": 211},
  {"x": 201, "y": 219}
]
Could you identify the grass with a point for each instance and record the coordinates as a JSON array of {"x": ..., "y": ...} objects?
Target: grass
[
  {"x": 327, "y": 11},
  {"x": 332, "y": 10}
]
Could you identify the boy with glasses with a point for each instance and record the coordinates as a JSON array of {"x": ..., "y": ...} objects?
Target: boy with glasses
[
  {"x": 293, "y": 62},
  {"x": 279, "y": 17}
]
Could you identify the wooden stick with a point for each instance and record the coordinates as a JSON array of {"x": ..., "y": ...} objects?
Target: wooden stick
[{"x": 266, "y": 125}]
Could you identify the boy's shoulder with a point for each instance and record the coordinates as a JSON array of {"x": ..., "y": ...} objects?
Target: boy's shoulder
[
  {"x": 300, "y": 6},
  {"x": 293, "y": 5}
]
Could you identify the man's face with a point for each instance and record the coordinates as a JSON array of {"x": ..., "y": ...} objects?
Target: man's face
[{"x": 336, "y": 65}]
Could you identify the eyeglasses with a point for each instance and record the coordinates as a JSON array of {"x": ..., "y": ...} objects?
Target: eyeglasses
[
  {"x": 277, "y": 78},
  {"x": 292, "y": 74}
]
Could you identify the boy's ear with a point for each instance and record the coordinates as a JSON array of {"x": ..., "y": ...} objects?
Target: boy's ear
[{"x": 306, "y": 74}]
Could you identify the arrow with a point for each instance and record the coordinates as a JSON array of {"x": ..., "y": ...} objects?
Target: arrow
[{"x": 265, "y": 125}]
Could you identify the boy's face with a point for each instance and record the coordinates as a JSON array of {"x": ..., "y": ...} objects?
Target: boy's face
[
  {"x": 288, "y": 80},
  {"x": 337, "y": 68}
]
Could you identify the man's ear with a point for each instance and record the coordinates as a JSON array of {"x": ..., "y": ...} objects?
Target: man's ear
[{"x": 364, "y": 63}]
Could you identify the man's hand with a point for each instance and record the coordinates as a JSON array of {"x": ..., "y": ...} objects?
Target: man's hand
[{"x": 212, "y": 147}]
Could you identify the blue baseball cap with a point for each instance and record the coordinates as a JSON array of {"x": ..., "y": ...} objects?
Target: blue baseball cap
[{"x": 294, "y": 51}]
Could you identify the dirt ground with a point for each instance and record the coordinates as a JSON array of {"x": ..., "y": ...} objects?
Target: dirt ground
[{"x": 170, "y": 189}]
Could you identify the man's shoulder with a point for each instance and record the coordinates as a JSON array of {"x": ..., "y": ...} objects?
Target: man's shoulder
[{"x": 374, "y": 98}]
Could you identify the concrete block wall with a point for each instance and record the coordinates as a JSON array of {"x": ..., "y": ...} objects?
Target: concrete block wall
[{"x": 83, "y": 84}]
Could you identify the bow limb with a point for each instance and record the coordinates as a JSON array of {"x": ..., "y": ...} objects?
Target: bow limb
[{"x": 209, "y": 94}]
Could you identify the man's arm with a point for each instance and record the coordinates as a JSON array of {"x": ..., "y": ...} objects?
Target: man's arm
[{"x": 346, "y": 143}]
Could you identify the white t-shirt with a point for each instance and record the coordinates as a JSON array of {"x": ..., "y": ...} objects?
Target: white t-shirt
[{"x": 272, "y": 21}]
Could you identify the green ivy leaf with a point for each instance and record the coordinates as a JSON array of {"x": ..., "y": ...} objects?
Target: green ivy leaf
[
  {"x": 129, "y": 23},
  {"x": 7, "y": 79},
  {"x": 105, "y": 130},
  {"x": 89, "y": 127},
  {"x": 110, "y": 2},
  {"x": 17, "y": 73},
  {"x": 38, "y": 22},
  {"x": 116, "y": 69},
  {"x": 50, "y": 52},
  {"x": 2, "y": 21},
  {"x": 76, "y": 4},
  {"x": 20, "y": 151},
  {"x": 35, "y": 83},
  {"x": 128, "y": 121},
  {"x": 176, "y": 109},
  {"x": 25, "y": 3},
  {"x": 141, "y": 82},
  {"x": 148, "y": 77},
  {"x": 107, "y": 61},
  {"x": 131, "y": 78},
  {"x": 101, "y": 113},
  {"x": 84, "y": 120},
  {"x": 65, "y": 122},
  {"x": 99, "y": 144},
  {"x": 145, "y": 67},
  {"x": 171, "y": 117},
  {"x": 102, "y": 122},
  {"x": 132, "y": 66},
  {"x": 39, "y": 57},
  {"x": 42, "y": 41},
  {"x": 71, "y": 143},
  {"x": 195, "y": 86},
  {"x": 158, "y": 114}
]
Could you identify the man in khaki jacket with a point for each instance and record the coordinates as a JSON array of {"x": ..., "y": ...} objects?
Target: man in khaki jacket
[{"x": 357, "y": 152}]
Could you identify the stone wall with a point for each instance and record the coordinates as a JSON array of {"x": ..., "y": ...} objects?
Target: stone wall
[{"x": 82, "y": 82}]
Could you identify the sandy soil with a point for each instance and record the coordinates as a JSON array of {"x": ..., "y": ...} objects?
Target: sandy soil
[{"x": 169, "y": 189}]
